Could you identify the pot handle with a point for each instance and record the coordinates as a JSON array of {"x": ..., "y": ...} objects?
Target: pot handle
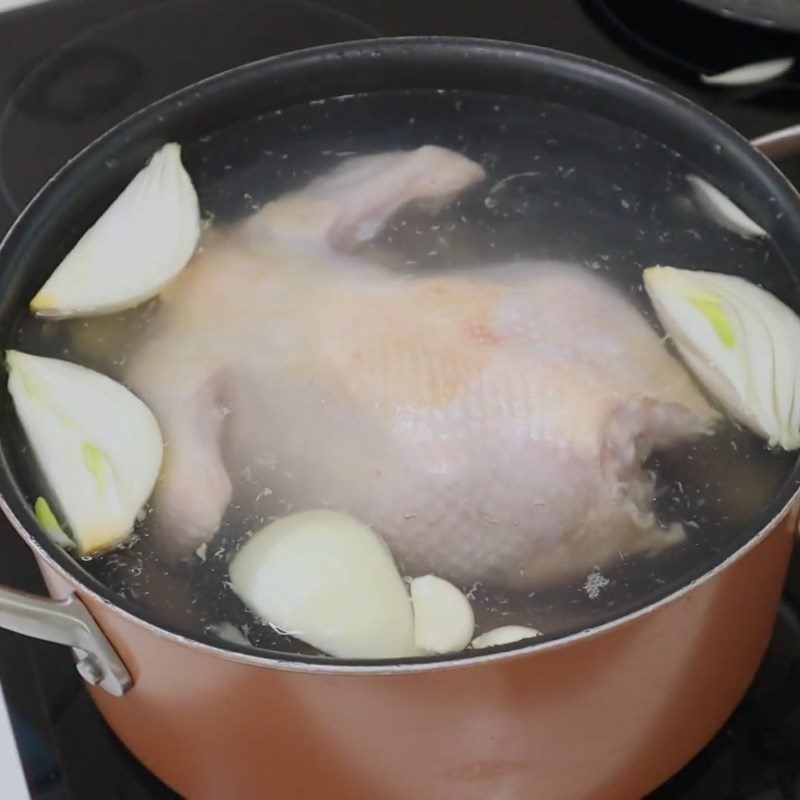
[
  {"x": 779, "y": 144},
  {"x": 67, "y": 622}
]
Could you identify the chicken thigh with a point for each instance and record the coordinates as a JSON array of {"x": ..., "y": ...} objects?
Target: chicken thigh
[{"x": 490, "y": 423}]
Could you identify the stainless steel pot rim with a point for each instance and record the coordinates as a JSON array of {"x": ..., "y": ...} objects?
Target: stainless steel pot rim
[{"x": 14, "y": 505}]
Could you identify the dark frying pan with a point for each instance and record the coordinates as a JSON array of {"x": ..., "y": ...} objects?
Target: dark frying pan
[{"x": 601, "y": 714}]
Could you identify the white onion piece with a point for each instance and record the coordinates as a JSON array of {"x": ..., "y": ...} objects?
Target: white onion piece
[
  {"x": 49, "y": 524},
  {"x": 97, "y": 444},
  {"x": 443, "y": 618},
  {"x": 325, "y": 578},
  {"x": 142, "y": 241},
  {"x": 505, "y": 635},
  {"x": 722, "y": 209},
  {"x": 747, "y": 74},
  {"x": 740, "y": 341}
]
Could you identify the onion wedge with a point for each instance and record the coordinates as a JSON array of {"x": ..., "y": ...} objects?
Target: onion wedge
[
  {"x": 97, "y": 444},
  {"x": 326, "y": 578},
  {"x": 740, "y": 341},
  {"x": 140, "y": 243},
  {"x": 720, "y": 208}
]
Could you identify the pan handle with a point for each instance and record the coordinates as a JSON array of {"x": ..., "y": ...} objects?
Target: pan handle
[
  {"x": 67, "y": 622},
  {"x": 779, "y": 144}
]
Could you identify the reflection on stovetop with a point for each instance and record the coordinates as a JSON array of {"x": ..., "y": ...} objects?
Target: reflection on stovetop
[
  {"x": 72, "y": 68},
  {"x": 695, "y": 41},
  {"x": 72, "y": 75},
  {"x": 115, "y": 67}
]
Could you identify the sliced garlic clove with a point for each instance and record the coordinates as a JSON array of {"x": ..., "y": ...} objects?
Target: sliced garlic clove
[
  {"x": 443, "y": 618},
  {"x": 326, "y": 578},
  {"x": 722, "y": 209},
  {"x": 49, "y": 524},
  {"x": 740, "y": 341},
  {"x": 748, "y": 74},
  {"x": 142, "y": 241},
  {"x": 97, "y": 444},
  {"x": 505, "y": 635}
]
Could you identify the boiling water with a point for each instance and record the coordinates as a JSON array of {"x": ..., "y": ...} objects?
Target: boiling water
[{"x": 562, "y": 185}]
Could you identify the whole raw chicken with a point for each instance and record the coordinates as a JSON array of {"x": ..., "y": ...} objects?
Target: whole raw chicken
[{"x": 490, "y": 423}]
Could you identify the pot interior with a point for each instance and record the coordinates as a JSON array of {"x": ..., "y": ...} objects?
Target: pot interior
[{"x": 584, "y": 166}]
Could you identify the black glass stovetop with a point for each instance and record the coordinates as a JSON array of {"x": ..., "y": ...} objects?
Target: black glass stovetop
[{"x": 69, "y": 69}]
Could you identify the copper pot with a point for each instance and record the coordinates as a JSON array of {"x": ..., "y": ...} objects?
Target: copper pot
[{"x": 607, "y": 713}]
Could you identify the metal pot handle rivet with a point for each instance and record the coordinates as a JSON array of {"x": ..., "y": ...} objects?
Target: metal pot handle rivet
[{"x": 67, "y": 622}]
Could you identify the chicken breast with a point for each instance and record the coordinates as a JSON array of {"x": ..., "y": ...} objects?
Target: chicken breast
[{"x": 489, "y": 422}]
